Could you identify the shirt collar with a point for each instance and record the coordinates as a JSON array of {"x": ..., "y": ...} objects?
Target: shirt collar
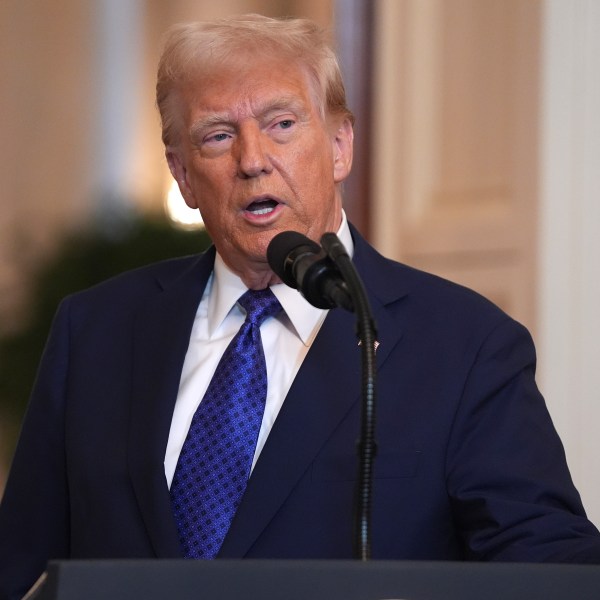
[{"x": 226, "y": 287}]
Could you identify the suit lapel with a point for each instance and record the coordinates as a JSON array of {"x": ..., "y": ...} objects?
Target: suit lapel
[
  {"x": 162, "y": 333},
  {"x": 324, "y": 391}
]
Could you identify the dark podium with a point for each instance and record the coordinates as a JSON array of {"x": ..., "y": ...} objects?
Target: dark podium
[{"x": 315, "y": 580}]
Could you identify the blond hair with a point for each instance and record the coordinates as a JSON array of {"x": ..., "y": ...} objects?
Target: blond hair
[{"x": 189, "y": 47}]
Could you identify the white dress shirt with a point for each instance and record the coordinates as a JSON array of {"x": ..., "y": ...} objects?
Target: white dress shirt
[{"x": 286, "y": 340}]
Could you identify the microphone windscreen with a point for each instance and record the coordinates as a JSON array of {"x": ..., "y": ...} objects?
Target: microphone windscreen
[{"x": 283, "y": 249}]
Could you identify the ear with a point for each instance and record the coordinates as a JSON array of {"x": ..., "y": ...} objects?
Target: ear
[
  {"x": 343, "y": 144},
  {"x": 179, "y": 172}
]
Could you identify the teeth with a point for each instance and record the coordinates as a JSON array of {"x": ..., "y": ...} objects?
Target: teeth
[
  {"x": 262, "y": 211},
  {"x": 263, "y": 207}
]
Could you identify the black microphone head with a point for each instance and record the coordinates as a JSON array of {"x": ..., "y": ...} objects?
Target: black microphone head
[{"x": 283, "y": 250}]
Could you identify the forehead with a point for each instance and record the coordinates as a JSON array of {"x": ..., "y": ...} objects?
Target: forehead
[{"x": 249, "y": 84}]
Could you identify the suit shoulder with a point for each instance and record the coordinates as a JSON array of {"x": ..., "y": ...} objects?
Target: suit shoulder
[
  {"x": 431, "y": 299},
  {"x": 401, "y": 278},
  {"x": 429, "y": 285},
  {"x": 135, "y": 285}
]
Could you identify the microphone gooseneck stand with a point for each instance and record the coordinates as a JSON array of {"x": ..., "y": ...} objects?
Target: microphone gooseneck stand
[{"x": 366, "y": 446}]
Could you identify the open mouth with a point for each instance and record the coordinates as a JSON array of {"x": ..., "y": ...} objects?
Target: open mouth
[{"x": 262, "y": 207}]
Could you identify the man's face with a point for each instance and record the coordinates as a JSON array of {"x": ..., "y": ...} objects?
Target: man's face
[{"x": 256, "y": 157}]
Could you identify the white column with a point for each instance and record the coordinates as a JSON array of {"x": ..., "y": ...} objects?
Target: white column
[
  {"x": 569, "y": 264},
  {"x": 118, "y": 100}
]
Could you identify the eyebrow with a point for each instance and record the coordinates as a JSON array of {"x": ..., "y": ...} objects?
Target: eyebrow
[
  {"x": 209, "y": 121},
  {"x": 291, "y": 103}
]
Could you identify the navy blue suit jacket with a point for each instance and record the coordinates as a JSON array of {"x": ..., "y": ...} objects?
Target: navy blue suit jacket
[{"x": 469, "y": 464}]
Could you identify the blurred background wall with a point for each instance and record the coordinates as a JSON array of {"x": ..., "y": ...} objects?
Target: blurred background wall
[{"x": 478, "y": 146}]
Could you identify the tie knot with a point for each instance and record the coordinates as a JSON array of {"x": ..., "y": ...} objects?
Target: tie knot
[{"x": 259, "y": 304}]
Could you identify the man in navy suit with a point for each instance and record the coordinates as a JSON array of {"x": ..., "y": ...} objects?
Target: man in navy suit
[{"x": 469, "y": 466}]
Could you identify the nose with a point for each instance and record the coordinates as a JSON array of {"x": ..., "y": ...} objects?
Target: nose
[{"x": 253, "y": 157}]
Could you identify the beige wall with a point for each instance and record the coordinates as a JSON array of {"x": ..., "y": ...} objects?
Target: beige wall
[
  {"x": 46, "y": 119},
  {"x": 455, "y": 161}
]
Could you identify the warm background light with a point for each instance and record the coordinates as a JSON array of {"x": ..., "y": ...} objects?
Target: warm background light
[{"x": 179, "y": 212}]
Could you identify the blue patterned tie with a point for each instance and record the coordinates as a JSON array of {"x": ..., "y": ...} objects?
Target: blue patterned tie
[{"x": 216, "y": 457}]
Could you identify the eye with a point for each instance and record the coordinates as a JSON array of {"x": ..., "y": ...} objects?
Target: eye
[
  {"x": 217, "y": 137},
  {"x": 285, "y": 124},
  {"x": 216, "y": 142}
]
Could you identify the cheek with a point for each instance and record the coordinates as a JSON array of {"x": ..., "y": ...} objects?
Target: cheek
[
  {"x": 314, "y": 167},
  {"x": 210, "y": 188},
  {"x": 215, "y": 224},
  {"x": 211, "y": 212}
]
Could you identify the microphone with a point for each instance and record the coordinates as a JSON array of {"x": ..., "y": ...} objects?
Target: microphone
[
  {"x": 304, "y": 265},
  {"x": 327, "y": 278}
]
